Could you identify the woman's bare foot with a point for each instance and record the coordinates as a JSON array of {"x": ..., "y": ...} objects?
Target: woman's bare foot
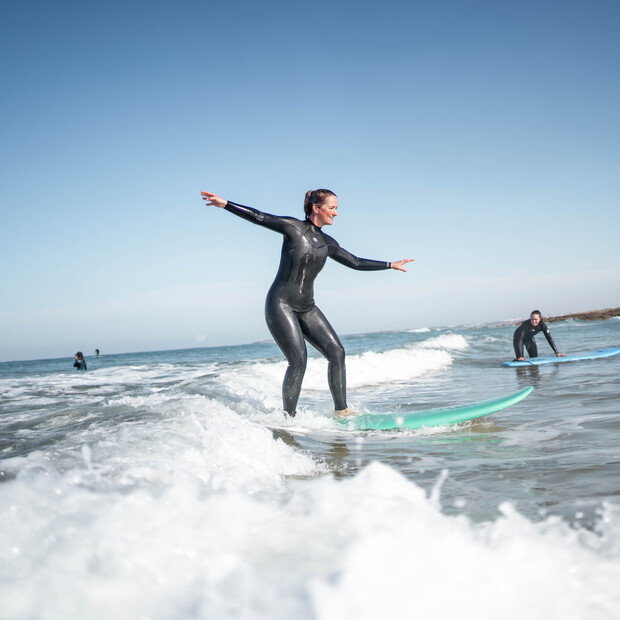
[{"x": 343, "y": 413}]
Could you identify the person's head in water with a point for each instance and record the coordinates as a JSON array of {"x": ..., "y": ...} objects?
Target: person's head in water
[
  {"x": 535, "y": 317},
  {"x": 320, "y": 206}
]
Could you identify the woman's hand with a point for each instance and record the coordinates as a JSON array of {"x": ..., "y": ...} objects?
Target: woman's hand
[
  {"x": 398, "y": 265},
  {"x": 214, "y": 199}
]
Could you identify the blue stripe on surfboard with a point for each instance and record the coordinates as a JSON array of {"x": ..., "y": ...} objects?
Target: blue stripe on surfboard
[{"x": 576, "y": 357}]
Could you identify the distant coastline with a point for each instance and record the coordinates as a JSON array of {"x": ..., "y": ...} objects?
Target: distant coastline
[{"x": 591, "y": 315}]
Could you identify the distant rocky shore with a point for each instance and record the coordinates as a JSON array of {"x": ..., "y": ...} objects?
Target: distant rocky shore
[{"x": 592, "y": 315}]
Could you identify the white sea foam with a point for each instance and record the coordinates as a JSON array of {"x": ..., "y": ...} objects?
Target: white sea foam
[
  {"x": 261, "y": 382},
  {"x": 495, "y": 339},
  {"x": 396, "y": 365},
  {"x": 97, "y": 382},
  {"x": 445, "y": 341},
  {"x": 511, "y": 568},
  {"x": 371, "y": 546}
]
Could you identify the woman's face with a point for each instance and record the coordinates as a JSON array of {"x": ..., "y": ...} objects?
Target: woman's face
[
  {"x": 535, "y": 319},
  {"x": 325, "y": 214}
]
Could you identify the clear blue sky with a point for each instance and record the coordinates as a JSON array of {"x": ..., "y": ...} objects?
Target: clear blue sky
[{"x": 480, "y": 138}]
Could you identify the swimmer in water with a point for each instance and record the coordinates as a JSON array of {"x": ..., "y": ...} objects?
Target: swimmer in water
[
  {"x": 80, "y": 362},
  {"x": 290, "y": 311},
  {"x": 524, "y": 335}
]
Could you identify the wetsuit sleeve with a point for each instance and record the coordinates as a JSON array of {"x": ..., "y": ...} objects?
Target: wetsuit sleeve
[
  {"x": 517, "y": 341},
  {"x": 273, "y": 222},
  {"x": 340, "y": 255},
  {"x": 545, "y": 330}
]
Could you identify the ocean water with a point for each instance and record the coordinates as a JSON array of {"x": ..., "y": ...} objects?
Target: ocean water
[{"x": 168, "y": 485}]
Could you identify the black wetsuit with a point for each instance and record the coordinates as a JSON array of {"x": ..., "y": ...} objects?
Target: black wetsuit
[
  {"x": 524, "y": 335},
  {"x": 290, "y": 310},
  {"x": 80, "y": 363}
]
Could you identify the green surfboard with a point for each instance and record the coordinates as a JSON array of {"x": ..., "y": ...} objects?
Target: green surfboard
[{"x": 432, "y": 417}]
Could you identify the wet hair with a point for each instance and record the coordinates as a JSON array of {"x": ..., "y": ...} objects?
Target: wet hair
[
  {"x": 315, "y": 197},
  {"x": 538, "y": 312}
]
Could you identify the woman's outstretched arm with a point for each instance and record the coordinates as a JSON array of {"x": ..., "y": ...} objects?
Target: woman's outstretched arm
[
  {"x": 273, "y": 222},
  {"x": 344, "y": 257}
]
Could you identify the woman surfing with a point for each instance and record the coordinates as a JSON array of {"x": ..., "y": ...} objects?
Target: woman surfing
[{"x": 290, "y": 311}]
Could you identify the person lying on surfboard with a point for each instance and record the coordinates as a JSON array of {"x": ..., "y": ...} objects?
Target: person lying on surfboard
[
  {"x": 290, "y": 311},
  {"x": 524, "y": 335}
]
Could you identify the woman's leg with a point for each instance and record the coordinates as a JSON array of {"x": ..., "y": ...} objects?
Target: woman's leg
[
  {"x": 531, "y": 347},
  {"x": 286, "y": 331},
  {"x": 321, "y": 335}
]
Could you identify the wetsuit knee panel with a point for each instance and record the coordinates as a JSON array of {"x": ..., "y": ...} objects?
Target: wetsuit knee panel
[
  {"x": 297, "y": 359},
  {"x": 335, "y": 353}
]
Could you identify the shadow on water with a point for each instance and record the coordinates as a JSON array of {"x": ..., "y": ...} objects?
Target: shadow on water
[
  {"x": 335, "y": 453},
  {"x": 286, "y": 437},
  {"x": 532, "y": 375}
]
